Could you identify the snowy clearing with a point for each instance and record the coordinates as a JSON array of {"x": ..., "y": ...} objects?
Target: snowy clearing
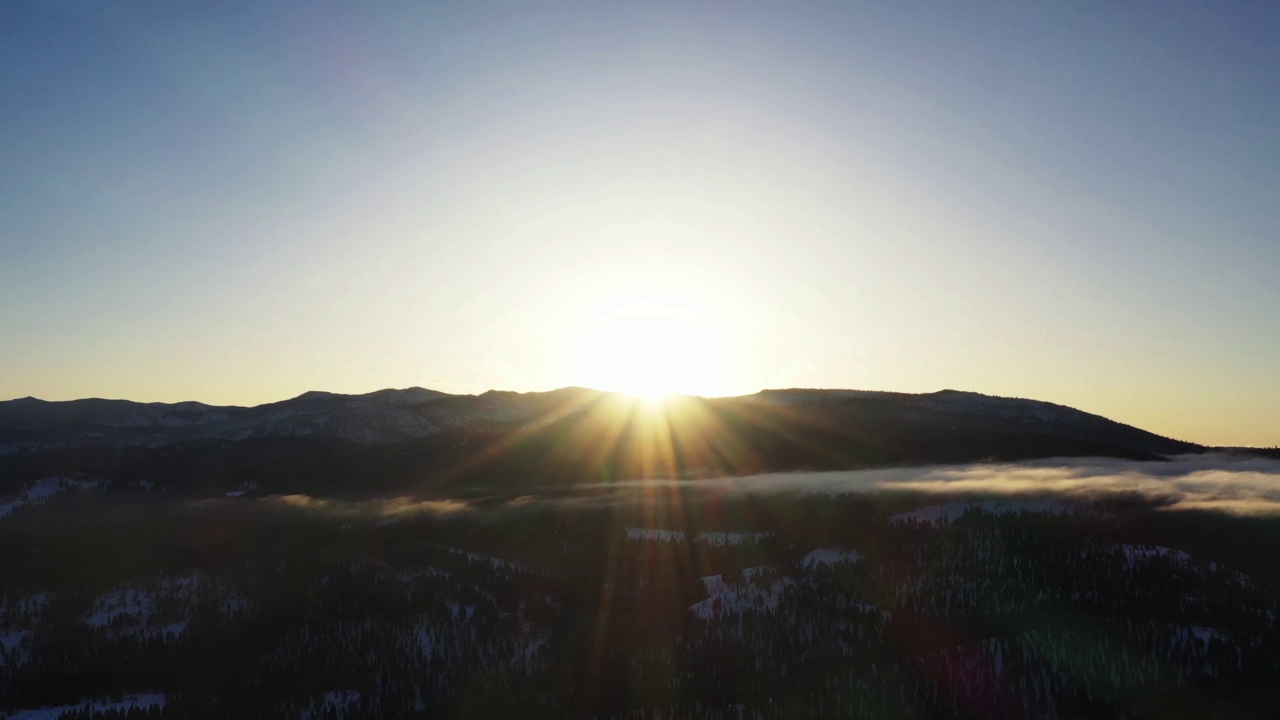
[
  {"x": 142, "y": 700},
  {"x": 720, "y": 539},
  {"x": 655, "y": 534},
  {"x": 1137, "y": 554},
  {"x": 829, "y": 556},
  {"x": 732, "y": 599},
  {"x": 41, "y": 490}
]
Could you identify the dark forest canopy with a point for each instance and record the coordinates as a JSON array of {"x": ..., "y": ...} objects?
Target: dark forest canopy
[{"x": 679, "y": 600}]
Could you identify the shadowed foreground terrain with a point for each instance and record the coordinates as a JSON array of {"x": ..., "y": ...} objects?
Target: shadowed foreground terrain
[
  {"x": 643, "y": 599},
  {"x": 578, "y": 554}
]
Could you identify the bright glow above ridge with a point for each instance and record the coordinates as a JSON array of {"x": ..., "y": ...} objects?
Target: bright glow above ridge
[{"x": 650, "y": 348}]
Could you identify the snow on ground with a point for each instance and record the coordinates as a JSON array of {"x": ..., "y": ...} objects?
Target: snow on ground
[
  {"x": 932, "y": 514},
  {"x": 18, "y": 614},
  {"x": 531, "y": 650},
  {"x": 15, "y": 647},
  {"x": 409, "y": 574},
  {"x": 461, "y": 612},
  {"x": 1200, "y": 633},
  {"x": 337, "y": 702},
  {"x": 885, "y": 615},
  {"x": 142, "y": 701},
  {"x": 243, "y": 490},
  {"x": 11, "y": 639},
  {"x": 1135, "y": 554},
  {"x": 40, "y": 491},
  {"x": 725, "y": 598},
  {"x": 427, "y": 640},
  {"x": 496, "y": 562},
  {"x": 655, "y": 534},
  {"x": 134, "y": 602},
  {"x": 44, "y": 489},
  {"x": 132, "y": 609},
  {"x": 16, "y": 607},
  {"x": 829, "y": 556},
  {"x": 175, "y": 628},
  {"x": 232, "y": 604},
  {"x": 720, "y": 539}
]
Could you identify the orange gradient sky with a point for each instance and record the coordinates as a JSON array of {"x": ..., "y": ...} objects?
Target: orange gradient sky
[{"x": 239, "y": 204}]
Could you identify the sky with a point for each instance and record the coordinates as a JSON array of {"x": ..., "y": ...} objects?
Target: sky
[{"x": 238, "y": 202}]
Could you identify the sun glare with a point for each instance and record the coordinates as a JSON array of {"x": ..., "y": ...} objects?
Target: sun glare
[{"x": 651, "y": 349}]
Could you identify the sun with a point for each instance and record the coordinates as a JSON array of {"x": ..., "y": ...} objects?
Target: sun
[{"x": 651, "y": 349}]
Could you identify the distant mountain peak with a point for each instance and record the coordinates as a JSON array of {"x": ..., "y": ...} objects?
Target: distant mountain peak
[{"x": 313, "y": 394}]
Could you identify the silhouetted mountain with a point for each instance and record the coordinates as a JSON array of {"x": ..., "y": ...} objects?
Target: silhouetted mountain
[
  {"x": 975, "y": 411},
  {"x": 406, "y": 437}
]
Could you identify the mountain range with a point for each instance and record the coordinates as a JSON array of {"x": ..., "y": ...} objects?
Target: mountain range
[
  {"x": 392, "y": 415},
  {"x": 408, "y": 437}
]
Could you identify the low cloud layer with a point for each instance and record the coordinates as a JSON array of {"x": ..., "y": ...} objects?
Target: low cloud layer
[
  {"x": 383, "y": 508},
  {"x": 1238, "y": 484}
]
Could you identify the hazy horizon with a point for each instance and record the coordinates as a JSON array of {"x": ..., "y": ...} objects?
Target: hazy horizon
[{"x": 237, "y": 204}]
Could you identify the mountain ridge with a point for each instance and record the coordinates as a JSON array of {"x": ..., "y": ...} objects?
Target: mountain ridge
[
  {"x": 414, "y": 439},
  {"x": 400, "y": 414}
]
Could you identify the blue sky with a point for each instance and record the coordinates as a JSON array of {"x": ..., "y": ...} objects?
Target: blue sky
[{"x": 1072, "y": 202}]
